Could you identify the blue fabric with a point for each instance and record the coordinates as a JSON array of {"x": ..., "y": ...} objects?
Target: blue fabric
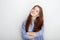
[{"x": 39, "y": 34}]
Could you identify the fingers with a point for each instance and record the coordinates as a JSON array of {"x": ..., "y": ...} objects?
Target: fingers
[
  {"x": 30, "y": 37},
  {"x": 31, "y": 34}
]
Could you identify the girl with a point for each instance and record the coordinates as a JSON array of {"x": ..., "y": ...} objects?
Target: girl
[{"x": 32, "y": 28}]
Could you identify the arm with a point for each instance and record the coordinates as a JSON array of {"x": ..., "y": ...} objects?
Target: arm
[
  {"x": 40, "y": 32},
  {"x": 24, "y": 35},
  {"x": 37, "y": 34},
  {"x": 31, "y": 34}
]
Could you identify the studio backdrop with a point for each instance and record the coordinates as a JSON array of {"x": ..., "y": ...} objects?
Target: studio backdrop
[{"x": 13, "y": 13}]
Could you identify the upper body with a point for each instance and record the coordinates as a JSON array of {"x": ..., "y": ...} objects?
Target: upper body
[
  {"x": 32, "y": 28},
  {"x": 39, "y": 35}
]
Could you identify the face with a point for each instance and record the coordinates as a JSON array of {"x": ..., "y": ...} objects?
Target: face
[{"x": 35, "y": 12}]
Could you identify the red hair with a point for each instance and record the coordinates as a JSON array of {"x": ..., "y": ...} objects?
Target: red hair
[{"x": 37, "y": 23}]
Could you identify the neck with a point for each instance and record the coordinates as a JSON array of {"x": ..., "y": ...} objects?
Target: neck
[{"x": 33, "y": 18}]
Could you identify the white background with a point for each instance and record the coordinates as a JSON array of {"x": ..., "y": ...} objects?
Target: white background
[{"x": 14, "y": 12}]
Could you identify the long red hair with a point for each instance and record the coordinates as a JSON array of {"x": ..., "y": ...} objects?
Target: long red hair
[{"x": 37, "y": 23}]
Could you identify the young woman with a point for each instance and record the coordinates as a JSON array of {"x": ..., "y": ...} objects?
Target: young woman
[{"x": 32, "y": 27}]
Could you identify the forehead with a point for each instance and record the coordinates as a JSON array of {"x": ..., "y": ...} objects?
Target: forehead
[{"x": 36, "y": 8}]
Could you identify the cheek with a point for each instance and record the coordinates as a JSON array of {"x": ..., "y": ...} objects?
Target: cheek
[
  {"x": 36, "y": 13},
  {"x": 32, "y": 14}
]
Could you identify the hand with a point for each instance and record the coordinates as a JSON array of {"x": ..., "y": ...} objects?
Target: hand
[{"x": 31, "y": 34}]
